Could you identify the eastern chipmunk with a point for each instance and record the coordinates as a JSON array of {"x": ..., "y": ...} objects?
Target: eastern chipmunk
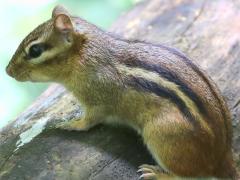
[{"x": 154, "y": 89}]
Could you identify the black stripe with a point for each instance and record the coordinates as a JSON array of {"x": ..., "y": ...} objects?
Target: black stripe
[
  {"x": 170, "y": 76},
  {"x": 141, "y": 84}
]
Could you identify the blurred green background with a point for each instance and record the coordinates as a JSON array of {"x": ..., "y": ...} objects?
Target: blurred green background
[{"x": 18, "y": 18}]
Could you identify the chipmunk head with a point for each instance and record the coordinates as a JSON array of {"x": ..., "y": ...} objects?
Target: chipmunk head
[{"x": 41, "y": 55}]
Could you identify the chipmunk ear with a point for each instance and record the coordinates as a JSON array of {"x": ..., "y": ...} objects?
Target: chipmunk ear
[
  {"x": 59, "y": 10},
  {"x": 63, "y": 23}
]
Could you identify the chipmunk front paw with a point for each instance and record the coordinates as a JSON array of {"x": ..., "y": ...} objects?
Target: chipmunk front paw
[{"x": 74, "y": 125}]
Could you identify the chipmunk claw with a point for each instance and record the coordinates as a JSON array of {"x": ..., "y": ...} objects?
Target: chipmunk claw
[
  {"x": 147, "y": 176},
  {"x": 75, "y": 125},
  {"x": 149, "y": 172},
  {"x": 64, "y": 126}
]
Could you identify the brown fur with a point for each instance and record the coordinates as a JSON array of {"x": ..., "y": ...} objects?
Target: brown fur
[{"x": 100, "y": 68}]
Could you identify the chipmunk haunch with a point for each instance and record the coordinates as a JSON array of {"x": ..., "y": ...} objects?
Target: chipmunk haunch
[{"x": 154, "y": 89}]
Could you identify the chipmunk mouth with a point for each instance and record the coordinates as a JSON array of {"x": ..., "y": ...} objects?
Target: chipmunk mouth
[
  {"x": 19, "y": 76},
  {"x": 22, "y": 77}
]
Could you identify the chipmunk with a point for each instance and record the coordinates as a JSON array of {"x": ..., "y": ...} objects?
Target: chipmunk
[{"x": 155, "y": 89}]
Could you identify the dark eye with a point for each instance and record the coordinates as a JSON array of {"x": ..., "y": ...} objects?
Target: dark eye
[{"x": 36, "y": 50}]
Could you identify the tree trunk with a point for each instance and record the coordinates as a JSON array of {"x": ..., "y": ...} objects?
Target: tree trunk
[{"x": 207, "y": 31}]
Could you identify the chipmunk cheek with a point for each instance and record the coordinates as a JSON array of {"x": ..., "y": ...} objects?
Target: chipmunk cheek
[{"x": 38, "y": 77}]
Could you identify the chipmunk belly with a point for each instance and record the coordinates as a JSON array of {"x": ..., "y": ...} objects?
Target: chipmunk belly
[{"x": 137, "y": 108}]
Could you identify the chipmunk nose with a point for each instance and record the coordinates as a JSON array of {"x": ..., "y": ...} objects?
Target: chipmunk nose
[{"x": 9, "y": 70}]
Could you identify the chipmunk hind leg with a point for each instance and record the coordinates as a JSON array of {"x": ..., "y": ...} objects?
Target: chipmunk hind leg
[
  {"x": 175, "y": 149},
  {"x": 153, "y": 172}
]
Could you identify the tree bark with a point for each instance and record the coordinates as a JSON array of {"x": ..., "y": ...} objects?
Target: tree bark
[{"x": 207, "y": 31}]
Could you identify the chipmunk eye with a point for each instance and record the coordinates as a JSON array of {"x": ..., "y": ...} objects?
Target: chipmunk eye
[{"x": 36, "y": 50}]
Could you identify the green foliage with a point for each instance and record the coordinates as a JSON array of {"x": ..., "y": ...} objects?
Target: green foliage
[{"x": 17, "y": 19}]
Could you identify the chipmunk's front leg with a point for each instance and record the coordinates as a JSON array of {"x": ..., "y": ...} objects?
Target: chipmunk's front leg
[{"x": 93, "y": 116}]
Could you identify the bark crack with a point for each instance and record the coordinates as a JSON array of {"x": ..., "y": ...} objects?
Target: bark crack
[
  {"x": 5, "y": 161},
  {"x": 195, "y": 18},
  {"x": 236, "y": 104},
  {"x": 101, "y": 169}
]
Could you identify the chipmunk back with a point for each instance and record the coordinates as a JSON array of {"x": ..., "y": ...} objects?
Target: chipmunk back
[{"x": 154, "y": 89}]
